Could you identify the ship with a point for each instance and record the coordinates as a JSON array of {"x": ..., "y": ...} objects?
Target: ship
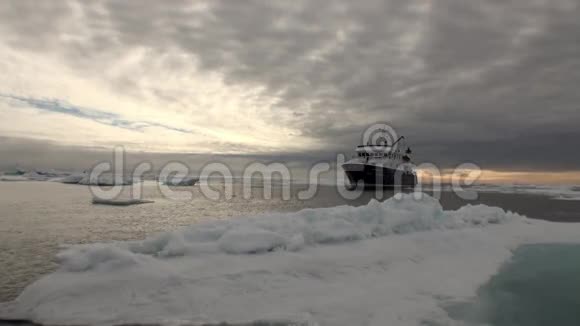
[{"x": 381, "y": 164}]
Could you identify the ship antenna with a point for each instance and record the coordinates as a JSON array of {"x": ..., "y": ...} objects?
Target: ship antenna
[{"x": 398, "y": 140}]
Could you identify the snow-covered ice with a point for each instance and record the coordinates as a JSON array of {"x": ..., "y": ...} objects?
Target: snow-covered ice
[{"x": 391, "y": 263}]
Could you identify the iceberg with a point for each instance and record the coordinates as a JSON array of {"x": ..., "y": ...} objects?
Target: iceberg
[
  {"x": 65, "y": 177},
  {"x": 72, "y": 179},
  {"x": 396, "y": 262},
  {"x": 34, "y": 175},
  {"x": 88, "y": 180},
  {"x": 120, "y": 202},
  {"x": 10, "y": 178},
  {"x": 181, "y": 182},
  {"x": 104, "y": 180}
]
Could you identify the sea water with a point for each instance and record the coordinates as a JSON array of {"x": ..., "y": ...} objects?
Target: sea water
[{"x": 540, "y": 285}]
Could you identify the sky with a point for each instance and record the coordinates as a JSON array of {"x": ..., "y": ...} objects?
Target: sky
[{"x": 491, "y": 82}]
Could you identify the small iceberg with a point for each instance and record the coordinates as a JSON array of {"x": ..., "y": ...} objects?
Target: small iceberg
[
  {"x": 120, "y": 202},
  {"x": 10, "y": 178},
  {"x": 72, "y": 179},
  {"x": 105, "y": 180},
  {"x": 181, "y": 181},
  {"x": 33, "y": 175},
  {"x": 92, "y": 180}
]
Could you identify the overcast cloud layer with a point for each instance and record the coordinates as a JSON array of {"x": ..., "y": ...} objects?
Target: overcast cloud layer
[{"x": 493, "y": 82}]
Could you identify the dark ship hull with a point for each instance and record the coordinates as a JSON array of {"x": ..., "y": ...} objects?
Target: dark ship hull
[{"x": 378, "y": 176}]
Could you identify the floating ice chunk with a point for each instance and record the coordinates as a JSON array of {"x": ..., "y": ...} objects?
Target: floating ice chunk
[
  {"x": 567, "y": 197},
  {"x": 94, "y": 180},
  {"x": 13, "y": 178},
  {"x": 181, "y": 181},
  {"x": 104, "y": 180},
  {"x": 72, "y": 179},
  {"x": 558, "y": 192},
  {"x": 34, "y": 175},
  {"x": 120, "y": 202}
]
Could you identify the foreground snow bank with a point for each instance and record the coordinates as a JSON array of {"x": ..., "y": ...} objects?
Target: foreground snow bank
[
  {"x": 390, "y": 263},
  {"x": 310, "y": 227}
]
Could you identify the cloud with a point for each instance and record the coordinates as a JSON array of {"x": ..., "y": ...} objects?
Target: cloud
[
  {"x": 104, "y": 117},
  {"x": 492, "y": 82}
]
